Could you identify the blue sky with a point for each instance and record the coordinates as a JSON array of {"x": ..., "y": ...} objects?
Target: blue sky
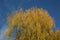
[{"x": 8, "y": 6}]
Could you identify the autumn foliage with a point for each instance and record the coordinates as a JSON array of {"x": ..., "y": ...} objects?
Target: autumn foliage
[{"x": 32, "y": 24}]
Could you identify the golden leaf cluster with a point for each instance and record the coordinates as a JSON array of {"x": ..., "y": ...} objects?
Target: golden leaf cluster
[{"x": 32, "y": 24}]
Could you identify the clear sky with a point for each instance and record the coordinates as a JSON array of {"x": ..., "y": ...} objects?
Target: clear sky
[{"x": 8, "y": 6}]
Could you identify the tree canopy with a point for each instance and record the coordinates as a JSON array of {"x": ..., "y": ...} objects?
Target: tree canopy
[{"x": 32, "y": 24}]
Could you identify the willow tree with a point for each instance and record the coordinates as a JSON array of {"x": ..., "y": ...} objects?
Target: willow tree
[{"x": 31, "y": 24}]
